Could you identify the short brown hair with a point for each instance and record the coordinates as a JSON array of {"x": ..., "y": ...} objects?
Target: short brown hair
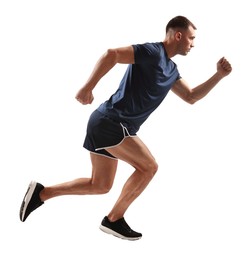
[{"x": 179, "y": 22}]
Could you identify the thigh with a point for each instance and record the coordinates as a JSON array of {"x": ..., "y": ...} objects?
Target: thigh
[
  {"x": 133, "y": 151},
  {"x": 103, "y": 169}
]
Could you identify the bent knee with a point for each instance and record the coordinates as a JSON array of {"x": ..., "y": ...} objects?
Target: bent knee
[
  {"x": 149, "y": 168},
  {"x": 153, "y": 168},
  {"x": 101, "y": 188}
]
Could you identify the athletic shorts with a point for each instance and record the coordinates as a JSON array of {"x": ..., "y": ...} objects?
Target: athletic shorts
[{"x": 104, "y": 132}]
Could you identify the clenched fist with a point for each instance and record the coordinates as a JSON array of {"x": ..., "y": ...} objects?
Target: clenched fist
[
  {"x": 85, "y": 96},
  {"x": 224, "y": 67}
]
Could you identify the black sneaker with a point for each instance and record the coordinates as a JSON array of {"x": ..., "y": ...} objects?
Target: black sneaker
[
  {"x": 31, "y": 200},
  {"x": 119, "y": 228}
]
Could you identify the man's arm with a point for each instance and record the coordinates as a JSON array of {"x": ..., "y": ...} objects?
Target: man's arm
[
  {"x": 189, "y": 95},
  {"x": 107, "y": 61}
]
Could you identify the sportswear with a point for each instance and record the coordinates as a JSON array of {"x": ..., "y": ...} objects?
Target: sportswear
[
  {"x": 31, "y": 200},
  {"x": 119, "y": 228},
  {"x": 143, "y": 87}
]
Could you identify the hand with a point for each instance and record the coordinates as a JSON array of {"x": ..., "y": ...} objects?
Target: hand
[
  {"x": 224, "y": 67},
  {"x": 84, "y": 96}
]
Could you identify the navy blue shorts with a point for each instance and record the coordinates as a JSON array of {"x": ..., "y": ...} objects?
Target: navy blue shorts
[{"x": 104, "y": 132}]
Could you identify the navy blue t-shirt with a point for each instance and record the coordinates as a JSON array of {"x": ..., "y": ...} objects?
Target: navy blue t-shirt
[{"x": 144, "y": 86}]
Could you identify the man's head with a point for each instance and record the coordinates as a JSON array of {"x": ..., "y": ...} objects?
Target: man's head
[{"x": 180, "y": 34}]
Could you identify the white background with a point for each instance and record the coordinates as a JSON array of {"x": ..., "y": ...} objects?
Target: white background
[{"x": 196, "y": 207}]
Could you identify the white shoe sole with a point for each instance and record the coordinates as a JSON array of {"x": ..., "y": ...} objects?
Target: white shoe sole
[
  {"x": 111, "y": 232},
  {"x": 28, "y": 197}
]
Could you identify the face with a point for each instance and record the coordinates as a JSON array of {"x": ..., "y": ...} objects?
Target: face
[{"x": 185, "y": 41}]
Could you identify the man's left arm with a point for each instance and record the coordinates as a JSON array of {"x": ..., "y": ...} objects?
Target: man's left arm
[{"x": 182, "y": 89}]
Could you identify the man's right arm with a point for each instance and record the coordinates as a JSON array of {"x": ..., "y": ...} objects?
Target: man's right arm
[{"x": 123, "y": 55}]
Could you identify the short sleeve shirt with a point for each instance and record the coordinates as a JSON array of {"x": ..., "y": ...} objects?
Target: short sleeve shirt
[{"x": 143, "y": 87}]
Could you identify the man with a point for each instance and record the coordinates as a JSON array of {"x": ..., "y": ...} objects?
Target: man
[{"x": 112, "y": 128}]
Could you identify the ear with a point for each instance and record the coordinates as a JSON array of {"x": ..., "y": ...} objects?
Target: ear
[{"x": 178, "y": 36}]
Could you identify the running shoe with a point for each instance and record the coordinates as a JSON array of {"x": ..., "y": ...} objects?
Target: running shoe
[
  {"x": 119, "y": 228},
  {"x": 31, "y": 200}
]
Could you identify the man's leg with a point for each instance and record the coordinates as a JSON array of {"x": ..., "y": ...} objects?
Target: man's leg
[
  {"x": 133, "y": 151},
  {"x": 103, "y": 173}
]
